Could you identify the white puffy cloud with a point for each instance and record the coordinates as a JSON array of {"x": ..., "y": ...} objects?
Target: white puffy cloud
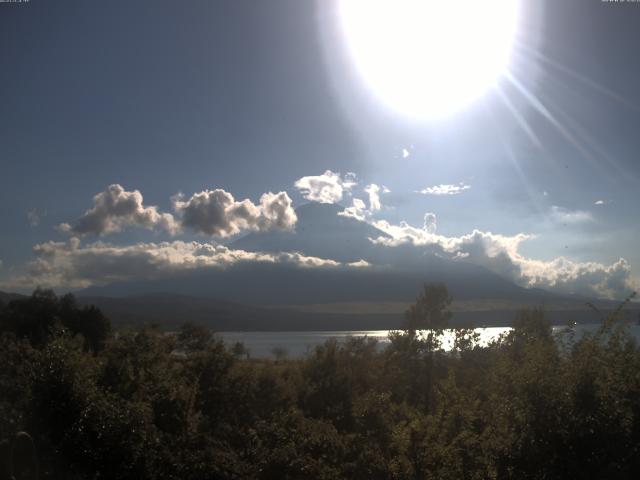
[
  {"x": 445, "y": 189},
  {"x": 213, "y": 212},
  {"x": 563, "y": 215},
  {"x": 349, "y": 180},
  {"x": 589, "y": 278},
  {"x": 373, "y": 191},
  {"x": 500, "y": 254},
  {"x": 357, "y": 210},
  {"x": 217, "y": 213},
  {"x": 599, "y": 202},
  {"x": 116, "y": 208},
  {"x": 71, "y": 265},
  {"x": 326, "y": 188},
  {"x": 430, "y": 222}
]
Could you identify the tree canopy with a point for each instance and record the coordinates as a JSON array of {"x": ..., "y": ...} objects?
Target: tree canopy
[{"x": 147, "y": 405}]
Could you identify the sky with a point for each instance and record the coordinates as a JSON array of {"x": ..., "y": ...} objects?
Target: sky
[{"x": 127, "y": 124}]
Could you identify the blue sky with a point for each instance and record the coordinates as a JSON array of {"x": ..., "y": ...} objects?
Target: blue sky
[{"x": 166, "y": 97}]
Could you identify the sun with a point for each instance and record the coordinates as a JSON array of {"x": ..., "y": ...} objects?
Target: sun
[{"x": 430, "y": 58}]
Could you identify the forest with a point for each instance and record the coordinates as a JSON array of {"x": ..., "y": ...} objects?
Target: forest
[{"x": 141, "y": 403}]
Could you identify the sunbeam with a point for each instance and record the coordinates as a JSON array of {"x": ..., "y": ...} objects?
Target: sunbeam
[
  {"x": 544, "y": 111},
  {"x": 607, "y": 92}
]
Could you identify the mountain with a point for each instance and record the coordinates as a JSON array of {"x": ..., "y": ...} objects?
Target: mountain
[
  {"x": 396, "y": 274},
  {"x": 320, "y": 232},
  {"x": 6, "y": 297},
  {"x": 265, "y": 296},
  {"x": 169, "y": 311}
]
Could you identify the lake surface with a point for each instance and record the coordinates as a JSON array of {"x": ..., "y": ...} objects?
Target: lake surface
[{"x": 296, "y": 344}]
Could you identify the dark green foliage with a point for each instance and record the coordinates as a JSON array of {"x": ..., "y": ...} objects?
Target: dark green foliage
[
  {"x": 154, "y": 406},
  {"x": 192, "y": 337},
  {"x": 32, "y": 318},
  {"x": 430, "y": 310},
  {"x": 36, "y": 318}
]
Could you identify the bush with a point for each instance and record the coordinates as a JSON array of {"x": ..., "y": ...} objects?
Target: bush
[{"x": 146, "y": 405}]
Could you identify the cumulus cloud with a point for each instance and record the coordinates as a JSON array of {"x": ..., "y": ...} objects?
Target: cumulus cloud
[
  {"x": 430, "y": 222},
  {"x": 217, "y": 213},
  {"x": 115, "y": 208},
  {"x": 34, "y": 216},
  {"x": 563, "y": 215},
  {"x": 500, "y": 254},
  {"x": 357, "y": 210},
  {"x": 599, "y": 202},
  {"x": 71, "y": 265},
  {"x": 349, "y": 181},
  {"x": 326, "y": 188},
  {"x": 445, "y": 189},
  {"x": 589, "y": 278},
  {"x": 213, "y": 212},
  {"x": 373, "y": 191}
]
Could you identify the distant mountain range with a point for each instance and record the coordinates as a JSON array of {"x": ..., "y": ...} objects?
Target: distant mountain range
[
  {"x": 259, "y": 296},
  {"x": 168, "y": 311},
  {"x": 396, "y": 274}
]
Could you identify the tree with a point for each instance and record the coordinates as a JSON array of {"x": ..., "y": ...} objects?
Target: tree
[
  {"x": 94, "y": 327},
  {"x": 32, "y": 318},
  {"x": 193, "y": 337},
  {"x": 36, "y": 318},
  {"x": 279, "y": 353},
  {"x": 239, "y": 350},
  {"x": 87, "y": 321},
  {"x": 431, "y": 310}
]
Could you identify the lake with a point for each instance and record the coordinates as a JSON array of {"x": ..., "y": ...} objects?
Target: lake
[{"x": 296, "y": 344}]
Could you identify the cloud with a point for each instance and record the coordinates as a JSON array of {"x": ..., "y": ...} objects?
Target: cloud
[
  {"x": 405, "y": 153},
  {"x": 445, "y": 189},
  {"x": 213, "y": 212},
  {"x": 373, "y": 191},
  {"x": 217, "y": 213},
  {"x": 357, "y": 210},
  {"x": 563, "y": 215},
  {"x": 34, "y": 217},
  {"x": 500, "y": 254},
  {"x": 599, "y": 202},
  {"x": 349, "y": 181},
  {"x": 430, "y": 222},
  {"x": 326, "y": 188},
  {"x": 115, "y": 208},
  {"x": 587, "y": 278},
  {"x": 71, "y": 265}
]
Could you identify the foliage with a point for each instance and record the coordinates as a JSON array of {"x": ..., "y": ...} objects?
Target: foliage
[
  {"x": 37, "y": 317},
  {"x": 430, "y": 310},
  {"x": 147, "y": 405}
]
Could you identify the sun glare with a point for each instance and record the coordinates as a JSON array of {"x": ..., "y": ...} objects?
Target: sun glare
[{"x": 430, "y": 58}]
